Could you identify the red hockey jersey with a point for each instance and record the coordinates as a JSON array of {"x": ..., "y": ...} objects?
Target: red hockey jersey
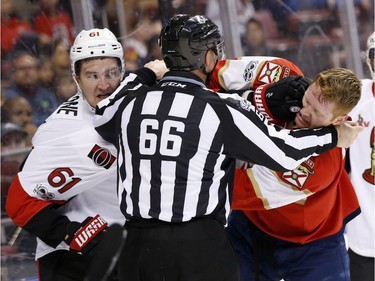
[{"x": 311, "y": 202}]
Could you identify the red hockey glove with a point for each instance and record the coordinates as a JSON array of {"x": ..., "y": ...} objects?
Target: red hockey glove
[
  {"x": 280, "y": 101},
  {"x": 83, "y": 237}
]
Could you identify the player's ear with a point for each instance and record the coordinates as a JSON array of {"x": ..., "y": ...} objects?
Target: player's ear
[
  {"x": 340, "y": 119},
  {"x": 210, "y": 61}
]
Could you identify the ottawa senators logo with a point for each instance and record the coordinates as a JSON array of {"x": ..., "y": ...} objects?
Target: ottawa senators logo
[
  {"x": 369, "y": 174},
  {"x": 102, "y": 157},
  {"x": 362, "y": 122}
]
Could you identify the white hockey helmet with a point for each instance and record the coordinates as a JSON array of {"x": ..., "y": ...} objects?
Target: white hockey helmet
[
  {"x": 370, "y": 53},
  {"x": 96, "y": 43}
]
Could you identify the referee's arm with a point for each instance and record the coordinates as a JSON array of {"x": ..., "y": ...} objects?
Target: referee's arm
[{"x": 250, "y": 137}]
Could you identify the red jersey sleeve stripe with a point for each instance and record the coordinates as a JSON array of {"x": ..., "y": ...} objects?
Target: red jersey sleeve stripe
[{"x": 20, "y": 206}]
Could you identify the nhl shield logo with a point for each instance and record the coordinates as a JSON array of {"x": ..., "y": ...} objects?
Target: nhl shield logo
[
  {"x": 249, "y": 71},
  {"x": 43, "y": 192}
]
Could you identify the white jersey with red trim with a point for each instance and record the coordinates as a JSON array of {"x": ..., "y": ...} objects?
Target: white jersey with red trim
[
  {"x": 360, "y": 231},
  {"x": 70, "y": 165}
]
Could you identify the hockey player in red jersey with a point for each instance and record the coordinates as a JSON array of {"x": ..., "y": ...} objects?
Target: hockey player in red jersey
[
  {"x": 66, "y": 192},
  {"x": 290, "y": 225}
]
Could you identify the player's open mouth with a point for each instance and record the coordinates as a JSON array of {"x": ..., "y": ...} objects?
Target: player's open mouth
[
  {"x": 302, "y": 121},
  {"x": 103, "y": 96}
]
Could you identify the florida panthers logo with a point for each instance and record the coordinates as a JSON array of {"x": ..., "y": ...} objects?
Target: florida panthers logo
[
  {"x": 269, "y": 73},
  {"x": 299, "y": 176},
  {"x": 102, "y": 157}
]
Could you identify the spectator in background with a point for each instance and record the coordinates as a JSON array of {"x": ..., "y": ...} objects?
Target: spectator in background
[
  {"x": 60, "y": 56},
  {"x": 65, "y": 86},
  {"x": 54, "y": 62},
  {"x": 2, "y": 97},
  {"x": 12, "y": 29},
  {"x": 25, "y": 83},
  {"x": 281, "y": 12},
  {"x": 46, "y": 72},
  {"x": 12, "y": 26},
  {"x": 51, "y": 23},
  {"x": 13, "y": 138},
  {"x": 18, "y": 110},
  {"x": 254, "y": 39},
  {"x": 153, "y": 50},
  {"x": 244, "y": 11},
  {"x": 135, "y": 48}
]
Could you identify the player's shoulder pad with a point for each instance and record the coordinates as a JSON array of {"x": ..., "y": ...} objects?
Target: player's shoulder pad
[{"x": 70, "y": 109}]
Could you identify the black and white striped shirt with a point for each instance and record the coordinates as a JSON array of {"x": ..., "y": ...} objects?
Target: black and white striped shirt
[{"x": 177, "y": 144}]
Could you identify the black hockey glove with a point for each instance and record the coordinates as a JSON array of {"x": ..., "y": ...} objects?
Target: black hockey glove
[
  {"x": 83, "y": 237},
  {"x": 280, "y": 101}
]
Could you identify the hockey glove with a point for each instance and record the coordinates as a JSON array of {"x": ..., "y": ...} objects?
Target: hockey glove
[
  {"x": 280, "y": 101},
  {"x": 83, "y": 237}
]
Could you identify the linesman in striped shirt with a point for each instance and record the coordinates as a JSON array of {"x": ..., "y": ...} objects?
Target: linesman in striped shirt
[{"x": 177, "y": 143}]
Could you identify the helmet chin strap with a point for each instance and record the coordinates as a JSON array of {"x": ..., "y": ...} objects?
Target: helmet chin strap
[
  {"x": 208, "y": 76},
  {"x": 77, "y": 84},
  {"x": 371, "y": 67},
  {"x": 81, "y": 93}
]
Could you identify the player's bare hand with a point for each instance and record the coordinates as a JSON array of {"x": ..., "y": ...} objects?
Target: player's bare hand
[
  {"x": 347, "y": 133},
  {"x": 158, "y": 67}
]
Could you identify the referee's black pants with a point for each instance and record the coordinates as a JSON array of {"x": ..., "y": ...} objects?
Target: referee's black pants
[
  {"x": 198, "y": 250},
  {"x": 62, "y": 265}
]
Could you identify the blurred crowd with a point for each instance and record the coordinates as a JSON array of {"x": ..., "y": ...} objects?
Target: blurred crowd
[{"x": 35, "y": 78}]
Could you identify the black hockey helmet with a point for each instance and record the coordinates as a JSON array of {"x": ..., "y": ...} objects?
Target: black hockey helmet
[{"x": 185, "y": 40}]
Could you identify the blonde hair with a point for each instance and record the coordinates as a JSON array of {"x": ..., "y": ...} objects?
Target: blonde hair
[{"x": 340, "y": 86}]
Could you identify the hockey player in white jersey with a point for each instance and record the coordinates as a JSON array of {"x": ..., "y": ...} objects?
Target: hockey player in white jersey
[
  {"x": 361, "y": 160},
  {"x": 66, "y": 192}
]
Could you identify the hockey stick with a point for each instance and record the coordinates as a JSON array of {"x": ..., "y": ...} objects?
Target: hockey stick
[
  {"x": 15, "y": 235},
  {"x": 107, "y": 254}
]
